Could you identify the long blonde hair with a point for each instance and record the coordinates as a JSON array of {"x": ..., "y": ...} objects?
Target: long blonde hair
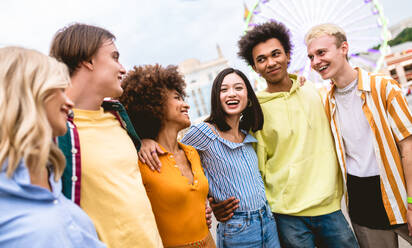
[{"x": 27, "y": 79}]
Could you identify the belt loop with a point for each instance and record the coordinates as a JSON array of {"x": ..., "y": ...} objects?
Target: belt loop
[{"x": 248, "y": 218}]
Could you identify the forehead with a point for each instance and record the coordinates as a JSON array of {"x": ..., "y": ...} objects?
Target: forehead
[
  {"x": 107, "y": 46},
  {"x": 322, "y": 42},
  {"x": 232, "y": 78},
  {"x": 267, "y": 47}
]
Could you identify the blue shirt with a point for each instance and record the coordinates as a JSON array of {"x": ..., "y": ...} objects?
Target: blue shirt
[
  {"x": 231, "y": 168},
  {"x": 32, "y": 216}
]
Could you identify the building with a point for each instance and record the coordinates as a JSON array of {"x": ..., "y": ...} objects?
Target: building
[
  {"x": 199, "y": 78},
  {"x": 399, "y": 63}
]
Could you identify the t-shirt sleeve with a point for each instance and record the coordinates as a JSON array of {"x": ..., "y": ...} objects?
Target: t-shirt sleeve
[
  {"x": 199, "y": 136},
  {"x": 400, "y": 117}
]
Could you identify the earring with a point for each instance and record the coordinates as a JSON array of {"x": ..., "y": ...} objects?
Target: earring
[{"x": 249, "y": 103}]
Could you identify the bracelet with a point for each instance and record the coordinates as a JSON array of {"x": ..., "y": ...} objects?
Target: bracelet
[{"x": 409, "y": 199}]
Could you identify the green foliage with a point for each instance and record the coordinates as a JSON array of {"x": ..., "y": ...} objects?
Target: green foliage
[{"x": 404, "y": 36}]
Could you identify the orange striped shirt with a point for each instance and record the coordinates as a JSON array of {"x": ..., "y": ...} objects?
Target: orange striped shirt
[{"x": 390, "y": 119}]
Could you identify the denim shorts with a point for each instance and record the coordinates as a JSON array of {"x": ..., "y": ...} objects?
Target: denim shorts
[{"x": 249, "y": 229}]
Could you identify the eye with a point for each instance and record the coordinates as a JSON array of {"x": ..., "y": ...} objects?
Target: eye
[
  {"x": 260, "y": 60},
  {"x": 223, "y": 89},
  {"x": 276, "y": 54},
  {"x": 310, "y": 57},
  {"x": 239, "y": 88}
]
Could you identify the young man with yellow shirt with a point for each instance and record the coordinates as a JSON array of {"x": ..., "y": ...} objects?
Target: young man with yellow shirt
[
  {"x": 372, "y": 127},
  {"x": 102, "y": 173},
  {"x": 295, "y": 147}
]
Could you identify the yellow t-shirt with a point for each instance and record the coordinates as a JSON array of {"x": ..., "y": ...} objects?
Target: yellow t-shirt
[
  {"x": 179, "y": 207},
  {"x": 112, "y": 192}
]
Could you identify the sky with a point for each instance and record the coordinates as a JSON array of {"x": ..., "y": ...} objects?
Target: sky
[{"x": 147, "y": 31}]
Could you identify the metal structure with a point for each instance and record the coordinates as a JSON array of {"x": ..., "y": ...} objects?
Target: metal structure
[{"x": 362, "y": 20}]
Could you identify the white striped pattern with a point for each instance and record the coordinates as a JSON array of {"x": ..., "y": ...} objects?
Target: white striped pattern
[
  {"x": 231, "y": 168},
  {"x": 390, "y": 119}
]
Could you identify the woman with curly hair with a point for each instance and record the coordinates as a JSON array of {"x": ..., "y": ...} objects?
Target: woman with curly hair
[
  {"x": 230, "y": 163},
  {"x": 33, "y": 110},
  {"x": 154, "y": 98}
]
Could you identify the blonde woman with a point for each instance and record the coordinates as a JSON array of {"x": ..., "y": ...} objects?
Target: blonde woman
[{"x": 33, "y": 110}]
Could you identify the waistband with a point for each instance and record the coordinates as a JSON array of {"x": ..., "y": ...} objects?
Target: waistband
[{"x": 262, "y": 210}]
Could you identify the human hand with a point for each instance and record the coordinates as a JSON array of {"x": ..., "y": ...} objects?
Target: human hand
[
  {"x": 301, "y": 80},
  {"x": 223, "y": 211},
  {"x": 208, "y": 216},
  {"x": 148, "y": 154}
]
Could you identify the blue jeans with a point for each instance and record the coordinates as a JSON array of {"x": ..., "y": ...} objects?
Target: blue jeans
[
  {"x": 329, "y": 230},
  {"x": 249, "y": 229}
]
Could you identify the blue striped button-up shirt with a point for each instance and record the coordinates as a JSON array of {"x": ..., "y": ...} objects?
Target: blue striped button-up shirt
[{"x": 231, "y": 168}]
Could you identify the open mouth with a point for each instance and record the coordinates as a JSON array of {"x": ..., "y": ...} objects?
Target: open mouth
[
  {"x": 322, "y": 68},
  {"x": 232, "y": 102}
]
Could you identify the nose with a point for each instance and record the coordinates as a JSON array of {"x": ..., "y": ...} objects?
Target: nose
[
  {"x": 271, "y": 61},
  {"x": 315, "y": 61},
  {"x": 122, "y": 70},
  {"x": 69, "y": 104},
  {"x": 186, "y": 105}
]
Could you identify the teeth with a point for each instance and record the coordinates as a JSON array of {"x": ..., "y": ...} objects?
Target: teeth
[
  {"x": 232, "y": 102},
  {"x": 323, "y": 68}
]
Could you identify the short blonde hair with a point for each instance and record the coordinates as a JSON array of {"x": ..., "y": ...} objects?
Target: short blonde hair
[
  {"x": 27, "y": 79},
  {"x": 326, "y": 29}
]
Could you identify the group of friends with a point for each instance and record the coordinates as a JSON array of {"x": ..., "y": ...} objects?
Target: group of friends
[{"x": 90, "y": 155}]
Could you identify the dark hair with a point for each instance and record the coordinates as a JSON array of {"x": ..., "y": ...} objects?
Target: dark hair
[
  {"x": 252, "y": 115},
  {"x": 145, "y": 95},
  {"x": 262, "y": 33},
  {"x": 77, "y": 43}
]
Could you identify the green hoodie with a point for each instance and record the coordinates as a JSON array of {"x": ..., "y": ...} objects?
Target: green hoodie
[{"x": 296, "y": 154}]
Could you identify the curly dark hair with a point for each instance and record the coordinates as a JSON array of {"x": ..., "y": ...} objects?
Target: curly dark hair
[
  {"x": 145, "y": 93},
  {"x": 262, "y": 33}
]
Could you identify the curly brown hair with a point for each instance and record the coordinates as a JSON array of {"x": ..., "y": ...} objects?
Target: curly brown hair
[
  {"x": 145, "y": 94},
  {"x": 262, "y": 33}
]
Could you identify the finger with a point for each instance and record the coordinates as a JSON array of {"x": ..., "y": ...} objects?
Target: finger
[
  {"x": 140, "y": 155},
  {"x": 159, "y": 150},
  {"x": 227, "y": 205},
  {"x": 226, "y": 218},
  {"x": 151, "y": 161},
  {"x": 156, "y": 161},
  {"x": 223, "y": 203}
]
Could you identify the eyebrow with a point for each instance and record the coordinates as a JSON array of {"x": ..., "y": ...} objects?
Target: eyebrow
[{"x": 262, "y": 55}]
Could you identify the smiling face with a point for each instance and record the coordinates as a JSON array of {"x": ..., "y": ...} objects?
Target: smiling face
[
  {"x": 57, "y": 107},
  {"x": 107, "y": 70},
  {"x": 271, "y": 61},
  {"x": 233, "y": 95},
  {"x": 326, "y": 57},
  {"x": 177, "y": 110}
]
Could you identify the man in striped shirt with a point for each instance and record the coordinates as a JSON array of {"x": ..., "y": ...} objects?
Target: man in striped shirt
[{"x": 372, "y": 125}]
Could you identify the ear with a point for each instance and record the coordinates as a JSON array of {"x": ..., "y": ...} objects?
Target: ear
[
  {"x": 88, "y": 64},
  {"x": 288, "y": 56},
  {"x": 345, "y": 48},
  {"x": 254, "y": 68}
]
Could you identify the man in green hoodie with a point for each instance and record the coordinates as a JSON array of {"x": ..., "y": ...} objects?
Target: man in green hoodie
[{"x": 295, "y": 147}]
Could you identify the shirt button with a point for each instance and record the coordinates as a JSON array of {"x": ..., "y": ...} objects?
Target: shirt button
[
  {"x": 171, "y": 156},
  {"x": 74, "y": 178},
  {"x": 195, "y": 181},
  {"x": 72, "y": 227},
  {"x": 74, "y": 150},
  {"x": 55, "y": 202}
]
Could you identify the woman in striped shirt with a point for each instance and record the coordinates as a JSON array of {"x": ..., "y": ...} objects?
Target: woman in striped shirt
[{"x": 230, "y": 163}]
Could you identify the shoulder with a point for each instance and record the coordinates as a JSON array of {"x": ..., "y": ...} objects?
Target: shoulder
[{"x": 202, "y": 129}]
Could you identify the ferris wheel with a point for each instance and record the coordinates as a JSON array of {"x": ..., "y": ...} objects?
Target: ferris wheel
[{"x": 363, "y": 21}]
